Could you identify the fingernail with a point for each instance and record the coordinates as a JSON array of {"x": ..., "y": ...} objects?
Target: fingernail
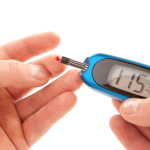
[
  {"x": 130, "y": 107},
  {"x": 38, "y": 72}
]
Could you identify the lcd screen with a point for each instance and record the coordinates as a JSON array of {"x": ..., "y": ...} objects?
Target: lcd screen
[{"x": 130, "y": 80}]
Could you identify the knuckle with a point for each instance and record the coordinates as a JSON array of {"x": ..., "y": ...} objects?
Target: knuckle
[
  {"x": 10, "y": 72},
  {"x": 15, "y": 70},
  {"x": 13, "y": 66}
]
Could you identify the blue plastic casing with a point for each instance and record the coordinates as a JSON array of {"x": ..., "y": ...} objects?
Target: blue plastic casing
[{"x": 88, "y": 78}]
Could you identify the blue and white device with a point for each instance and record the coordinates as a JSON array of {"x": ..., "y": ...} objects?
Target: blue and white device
[{"x": 115, "y": 77}]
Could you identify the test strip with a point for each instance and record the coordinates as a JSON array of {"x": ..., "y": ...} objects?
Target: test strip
[{"x": 74, "y": 63}]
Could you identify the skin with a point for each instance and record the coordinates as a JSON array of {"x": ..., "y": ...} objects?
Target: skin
[
  {"x": 23, "y": 121},
  {"x": 132, "y": 130}
]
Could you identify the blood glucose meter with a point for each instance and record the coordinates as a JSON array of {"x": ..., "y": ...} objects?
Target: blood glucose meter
[{"x": 113, "y": 76}]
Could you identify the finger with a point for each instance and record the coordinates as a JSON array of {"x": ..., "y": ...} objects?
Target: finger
[
  {"x": 128, "y": 135},
  {"x": 136, "y": 111},
  {"x": 39, "y": 123},
  {"x": 71, "y": 81},
  {"x": 116, "y": 104},
  {"x": 17, "y": 94},
  {"x": 20, "y": 75},
  {"x": 5, "y": 141},
  {"x": 144, "y": 131},
  {"x": 10, "y": 121},
  {"x": 28, "y": 47},
  {"x": 54, "y": 67}
]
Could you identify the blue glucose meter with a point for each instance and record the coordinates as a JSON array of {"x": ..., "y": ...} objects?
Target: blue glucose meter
[{"x": 115, "y": 77}]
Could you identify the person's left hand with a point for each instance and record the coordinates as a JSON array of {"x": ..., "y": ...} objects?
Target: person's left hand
[
  {"x": 132, "y": 126},
  {"x": 23, "y": 121}
]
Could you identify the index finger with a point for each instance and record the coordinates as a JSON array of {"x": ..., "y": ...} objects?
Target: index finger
[
  {"x": 116, "y": 104},
  {"x": 28, "y": 47}
]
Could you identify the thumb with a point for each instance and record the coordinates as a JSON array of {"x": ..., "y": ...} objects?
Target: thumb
[
  {"x": 136, "y": 111},
  {"x": 20, "y": 75}
]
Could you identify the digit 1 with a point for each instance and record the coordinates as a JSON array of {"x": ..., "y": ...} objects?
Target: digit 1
[
  {"x": 131, "y": 81},
  {"x": 118, "y": 79},
  {"x": 137, "y": 81}
]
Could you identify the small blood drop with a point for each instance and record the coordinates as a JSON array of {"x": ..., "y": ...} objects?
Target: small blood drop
[{"x": 57, "y": 58}]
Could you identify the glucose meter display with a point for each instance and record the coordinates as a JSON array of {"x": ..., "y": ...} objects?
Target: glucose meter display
[{"x": 130, "y": 80}]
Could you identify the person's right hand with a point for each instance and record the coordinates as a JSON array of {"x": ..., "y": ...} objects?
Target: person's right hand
[
  {"x": 23, "y": 121},
  {"x": 132, "y": 126}
]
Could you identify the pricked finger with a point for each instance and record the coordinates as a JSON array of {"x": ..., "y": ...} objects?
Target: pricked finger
[{"x": 49, "y": 62}]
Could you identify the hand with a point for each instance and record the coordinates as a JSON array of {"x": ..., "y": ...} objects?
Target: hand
[
  {"x": 132, "y": 126},
  {"x": 23, "y": 121}
]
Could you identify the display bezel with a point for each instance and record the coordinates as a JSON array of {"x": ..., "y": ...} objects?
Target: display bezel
[{"x": 101, "y": 71}]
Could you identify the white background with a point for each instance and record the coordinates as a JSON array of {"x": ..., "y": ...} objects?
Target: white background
[{"x": 116, "y": 27}]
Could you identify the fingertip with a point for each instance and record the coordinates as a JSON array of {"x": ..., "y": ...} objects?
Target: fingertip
[
  {"x": 71, "y": 99},
  {"x": 136, "y": 111},
  {"x": 54, "y": 39},
  {"x": 124, "y": 105},
  {"x": 63, "y": 104},
  {"x": 73, "y": 76},
  {"x": 45, "y": 41},
  {"x": 58, "y": 68},
  {"x": 116, "y": 104},
  {"x": 53, "y": 66},
  {"x": 113, "y": 101},
  {"x": 113, "y": 121}
]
